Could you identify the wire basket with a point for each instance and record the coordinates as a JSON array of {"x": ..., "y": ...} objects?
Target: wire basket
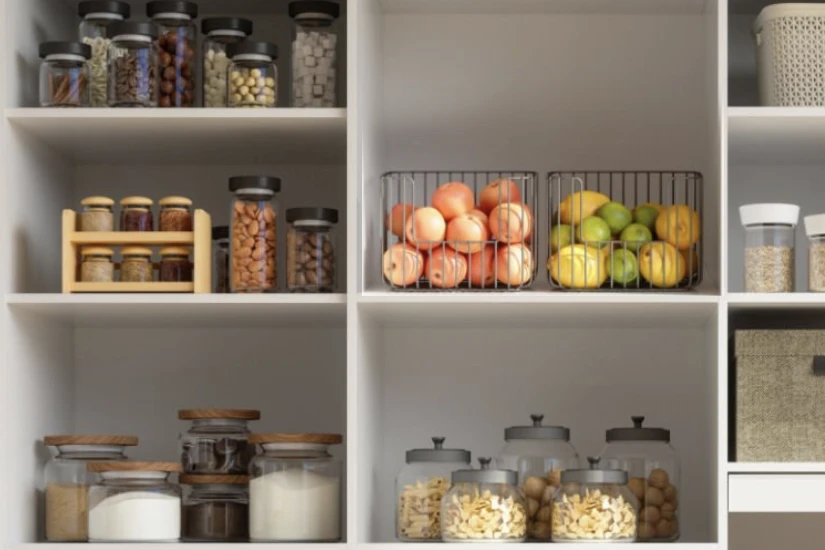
[
  {"x": 491, "y": 247},
  {"x": 607, "y": 253}
]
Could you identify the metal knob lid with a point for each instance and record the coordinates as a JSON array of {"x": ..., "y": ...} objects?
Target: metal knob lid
[
  {"x": 594, "y": 474},
  {"x": 537, "y": 431},
  {"x": 485, "y": 474},
  {"x": 638, "y": 432},
  {"x": 438, "y": 454}
]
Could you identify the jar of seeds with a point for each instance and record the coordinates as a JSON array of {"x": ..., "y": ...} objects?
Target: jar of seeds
[
  {"x": 97, "y": 265},
  {"x": 815, "y": 229},
  {"x": 97, "y": 16},
  {"x": 136, "y": 266},
  {"x": 97, "y": 214},
  {"x": 133, "y": 59},
  {"x": 136, "y": 214},
  {"x": 310, "y": 251},
  {"x": 770, "y": 230},
  {"x": 175, "y": 266},
  {"x": 175, "y": 214}
]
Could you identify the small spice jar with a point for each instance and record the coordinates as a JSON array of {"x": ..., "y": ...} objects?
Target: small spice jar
[
  {"x": 134, "y": 502},
  {"x": 64, "y": 75},
  {"x": 175, "y": 214},
  {"x": 215, "y": 508},
  {"x": 310, "y": 251},
  {"x": 217, "y": 442},
  {"x": 815, "y": 229},
  {"x": 97, "y": 214},
  {"x": 97, "y": 16},
  {"x": 484, "y": 505},
  {"x": 175, "y": 266},
  {"x": 253, "y": 75},
  {"x": 254, "y": 230},
  {"x": 97, "y": 265},
  {"x": 770, "y": 231},
  {"x": 67, "y": 480},
  {"x": 295, "y": 488},
  {"x": 219, "y": 33},
  {"x": 136, "y": 266},
  {"x": 220, "y": 261},
  {"x": 133, "y": 60},
  {"x": 136, "y": 214}
]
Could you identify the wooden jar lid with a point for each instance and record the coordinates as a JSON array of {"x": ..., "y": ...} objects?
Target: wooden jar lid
[
  {"x": 97, "y": 201},
  {"x": 97, "y": 251},
  {"x": 116, "y": 440},
  {"x": 321, "y": 439},
  {"x": 209, "y": 479},
  {"x": 136, "y": 201},
  {"x": 175, "y": 201},
  {"x": 134, "y": 466},
  {"x": 221, "y": 414},
  {"x": 136, "y": 251},
  {"x": 174, "y": 251}
]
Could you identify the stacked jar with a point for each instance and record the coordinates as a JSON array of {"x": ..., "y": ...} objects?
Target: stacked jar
[
  {"x": 310, "y": 251},
  {"x": 177, "y": 38},
  {"x": 253, "y": 253},
  {"x": 133, "y": 60},
  {"x": 97, "y": 17},
  {"x": 314, "y": 53},
  {"x": 815, "y": 229},
  {"x": 219, "y": 33},
  {"x": 770, "y": 231},
  {"x": 253, "y": 75},
  {"x": 220, "y": 259},
  {"x": 64, "y": 74}
]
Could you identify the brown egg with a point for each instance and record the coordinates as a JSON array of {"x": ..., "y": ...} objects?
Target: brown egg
[
  {"x": 534, "y": 487},
  {"x": 532, "y": 507},
  {"x": 549, "y": 493},
  {"x": 545, "y": 514},
  {"x": 540, "y": 531},
  {"x": 646, "y": 530},
  {"x": 637, "y": 485},
  {"x": 664, "y": 529},
  {"x": 670, "y": 493},
  {"x": 554, "y": 477},
  {"x": 654, "y": 497},
  {"x": 651, "y": 514},
  {"x": 659, "y": 478},
  {"x": 668, "y": 510}
]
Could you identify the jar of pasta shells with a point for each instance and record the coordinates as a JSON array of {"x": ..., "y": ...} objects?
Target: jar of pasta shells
[
  {"x": 253, "y": 253},
  {"x": 653, "y": 467},
  {"x": 594, "y": 505},
  {"x": 539, "y": 454},
  {"x": 421, "y": 486},
  {"x": 483, "y": 505}
]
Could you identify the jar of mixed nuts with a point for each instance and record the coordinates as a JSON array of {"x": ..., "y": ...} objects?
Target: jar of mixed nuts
[
  {"x": 97, "y": 214},
  {"x": 219, "y": 32},
  {"x": 254, "y": 223},
  {"x": 215, "y": 508},
  {"x": 217, "y": 442},
  {"x": 483, "y": 505},
  {"x": 97, "y": 265},
  {"x": 97, "y": 17},
  {"x": 815, "y": 229},
  {"x": 310, "y": 251},
  {"x": 64, "y": 75},
  {"x": 220, "y": 259},
  {"x": 133, "y": 59},
  {"x": 253, "y": 75},
  {"x": 136, "y": 266},
  {"x": 177, "y": 36},
  {"x": 136, "y": 214},
  {"x": 175, "y": 266},
  {"x": 770, "y": 234},
  {"x": 175, "y": 214}
]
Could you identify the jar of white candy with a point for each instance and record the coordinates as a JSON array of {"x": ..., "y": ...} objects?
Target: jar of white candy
[
  {"x": 253, "y": 76},
  {"x": 314, "y": 53},
  {"x": 218, "y": 33},
  {"x": 97, "y": 16}
]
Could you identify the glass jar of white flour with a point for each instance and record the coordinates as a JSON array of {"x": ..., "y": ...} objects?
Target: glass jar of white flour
[{"x": 295, "y": 488}]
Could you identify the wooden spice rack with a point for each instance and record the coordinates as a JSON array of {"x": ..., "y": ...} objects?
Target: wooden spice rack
[{"x": 200, "y": 240}]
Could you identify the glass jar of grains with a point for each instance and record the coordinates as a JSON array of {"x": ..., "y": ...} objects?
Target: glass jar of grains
[
  {"x": 97, "y": 214},
  {"x": 136, "y": 214},
  {"x": 67, "y": 480},
  {"x": 175, "y": 214},
  {"x": 253, "y": 75},
  {"x": 310, "y": 251},
  {"x": 97, "y": 265},
  {"x": 770, "y": 232},
  {"x": 175, "y": 266},
  {"x": 64, "y": 74},
  {"x": 133, "y": 59},
  {"x": 97, "y": 16},
  {"x": 215, "y": 508},
  {"x": 815, "y": 229},
  {"x": 217, "y": 442},
  {"x": 219, "y": 32},
  {"x": 136, "y": 266}
]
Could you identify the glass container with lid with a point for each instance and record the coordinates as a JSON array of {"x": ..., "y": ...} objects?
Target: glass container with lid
[
  {"x": 770, "y": 231},
  {"x": 310, "y": 251},
  {"x": 67, "y": 480},
  {"x": 295, "y": 488},
  {"x": 136, "y": 214},
  {"x": 539, "y": 454},
  {"x": 253, "y": 75},
  {"x": 64, "y": 74},
  {"x": 97, "y": 265},
  {"x": 97, "y": 16},
  {"x": 421, "y": 485},
  {"x": 220, "y": 260},
  {"x": 219, "y": 32},
  {"x": 253, "y": 254},
  {"x": 217, "y": 442},
  {"x": 97, "y": 214},
  {"x": 136, "y": 266},
  {"x": 654, "y": 470},
  {"x": 175, "y": 265},
  {"x": 215, "y": 508},
  {"x": 594, "y": 505},
  {"x": 132, "y": 60},
  {"x": 314, "y": 53},
  {"x": 815, "y": 229},
  {"x": 177, "y": 36},
  {"x": 483, "y": 505},
  {"x": 175, "y": 214}
]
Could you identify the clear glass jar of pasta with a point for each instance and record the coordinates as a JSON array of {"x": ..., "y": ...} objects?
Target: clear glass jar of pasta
[
  {"x": 314, "y": 53},
  {"x": 253, "y": 75},
  {"x": 218, "y": 34},
  {"x": 64, "y": 74},
  {"x": 133, "y": 59},
  {"x": 177, "y": 39},
  {"x": 97, "y": 16}
]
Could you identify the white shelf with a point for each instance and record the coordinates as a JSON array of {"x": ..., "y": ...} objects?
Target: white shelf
[
  {"x": 769, "y": 135},
  {"x": 186, "y": 545},
  {"x": 603, "y": 7},
  {"x": 202, "y": 136},
  {"x": 744, "y": 300},
  {"x": 776, "y": 467},
  {"x": 538, "y": 545}
]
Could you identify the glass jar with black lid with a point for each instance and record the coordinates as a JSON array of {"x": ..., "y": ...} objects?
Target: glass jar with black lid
[
  {"x": 218, "y": 34},
  {"x": 310, "y": 251},
  {"x": 217, "y": 442},
  {"x": 97, "y": 16},
  {"x": 253, "y": 252},
  {"x": 64, "y": 74},
  {"x": 177, "y": 39},
  {"x": 253, "y": 75},
  {"x": 314, "y": 53},
  {"x": 133, "y": 59}
]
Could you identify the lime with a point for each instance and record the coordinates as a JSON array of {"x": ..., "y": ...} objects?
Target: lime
[
  {"x": 623, "y": 267},
  {"x": 646, "y": 215},
  {"x": 616, "y": 215},
  {"x": 594, "y": 232},
  {"x": 635, "y": 235},
  {"x": 560, "y": 236}
]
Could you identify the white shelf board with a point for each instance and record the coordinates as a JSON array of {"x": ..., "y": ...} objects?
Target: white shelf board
[
  {"x": 183, "y": 545},
  {"x": 538, "y": 545},
  {"x": 219, "y": 7},
  {"x": 180, "y": 136},
  {"x": 186, "y": 310},
  {"x": 591, "y": 7},
  {"x": 776, "y": 467},
  {"x": 796, "y": 300},
  {"x": 776, "y": 135}
]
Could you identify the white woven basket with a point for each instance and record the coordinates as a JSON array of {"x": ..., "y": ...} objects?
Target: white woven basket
[{"x": 790, "y": 53}]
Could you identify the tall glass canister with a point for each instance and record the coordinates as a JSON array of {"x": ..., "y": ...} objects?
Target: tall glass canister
[
  {"x": 177, "y": 39},
  {"x": 314, "y": 53},
  {"x": 253, "y": 253},
  {"x": 770, "y": 235},
  {"x": 97, "y": 16},
  {"x": 218, "y": 34},
  {"x": 133, "y": 60}
]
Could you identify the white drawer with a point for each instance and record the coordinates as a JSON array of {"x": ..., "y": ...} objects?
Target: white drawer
[{"x": 776, "y": 493}]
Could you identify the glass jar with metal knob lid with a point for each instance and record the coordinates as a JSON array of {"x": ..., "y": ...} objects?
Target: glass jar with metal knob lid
[
  {"x": 594, "y": 505},
  {"x": 97, "y": 17},
  {"x": 217, "y": 442},
  {"x": 215, "y": 508},
  {"x": 654, "y": 470},
  {"x": 483, "y": 505},
  {"x": 421, "y": 485},
  {"x": 539, "y": 454}
]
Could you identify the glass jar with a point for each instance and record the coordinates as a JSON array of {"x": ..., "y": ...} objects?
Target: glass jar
[
  {"x": 314, "y": 53},
  {"x": 67, "y": 481},
  {"x": 217, "y": 442},
  {"x": 604, "y": 494},
  {"x": 97, "y": 214},
  {"x": 770, "y": 231},
  {"x": 539, "y": 454},
  {"x": 134, "y": 502},
  {"x": 220, "y": 261},
  {"x": 253, "y": 75},
  {"x": 295, "y": 488},
  {"x": 310, "y": 251},
  {"x": 97, "y": 265},
  {"x": 133, "y": 60},
  {"x": 64, "y": 74},
  {"x": 175, "y": 265},
  {"x": 219, "y": 32},
  {"x": 420, "y": 487},
  {"x": 97, "y": 16},
  {"x": 136, "y": 266},
  {"x": 175, "y": 214},
  {"x": 465, "y": 508},
  {"x": 253, "y": 254},
  {"x": 653, "y": 466},
  {"x": 136, "y": 214},
  {"x": 215, "y": 508},
  {"x": 177, "y": 36},
  {"x": 815, "y": 229}
]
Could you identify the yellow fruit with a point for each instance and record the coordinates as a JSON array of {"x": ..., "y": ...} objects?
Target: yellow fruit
[
  {"x": 694, "y": 265},
  {"x": 661, "y": 264},
  {"x": 580, "y": 205},
  {"x": 578, "y": 266},
  {"x": 680, "y": 226}
]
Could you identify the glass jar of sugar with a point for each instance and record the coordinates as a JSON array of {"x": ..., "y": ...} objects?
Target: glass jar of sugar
[
  {"x": 295, "y": 488},
  {"x": 67, "y": 480},
  {"x": 134, "y": 502}
]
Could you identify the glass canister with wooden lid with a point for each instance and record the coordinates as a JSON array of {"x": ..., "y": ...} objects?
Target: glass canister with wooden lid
[
  {"x": 217, "y": 441},
  {"x": 215, "y": 508},
  {"x": 97, "y": 214}
]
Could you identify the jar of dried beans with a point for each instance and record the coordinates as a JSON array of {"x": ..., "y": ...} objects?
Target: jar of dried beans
[
  {"x": 253, "y": 254},
  {"x": 136, "y": 266},
  {"x": 219, "y": 33},
  {"x": 175, "y": 214},
  {"x": 253, "y": 75},
  {"x": 64, "y": 74},
  {"x": 421, "y": 485},
  {"x": 175, "y": 265},
  {"x": 815, "y": 229},
  {"x": 136, "y": 214},
  {"x": 177, "y": 36},
  {"x": 97, "y": 17},
  {"x": 97, "y": 214},
  {"x": 133, "y": 60},
  {"x": 310, "y": 251},
  {"x": 770, "y": 234},
  {"x": 97, "y": 265},
  {"x": 217, "y": 442}
]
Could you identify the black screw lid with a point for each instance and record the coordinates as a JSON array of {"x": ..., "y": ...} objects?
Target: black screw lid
[
  {"x": 638, "y": 433},
  {"x": 322, "y": 214},
  {"x": 226, "y": 24},
  {"x": 104, "y": 6},
  {"x": 250, "y": 47},
  {"x": 70, "y": 48},
  {"x": 142, "y": 28},
  {"x": 314, "y": 6},
  {"x": 220, "y": 232},
  {"x": 255, "y": 182},
  {"x": 171, "y": 6}
]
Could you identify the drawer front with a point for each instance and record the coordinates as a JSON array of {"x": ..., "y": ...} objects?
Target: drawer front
[{"x": 776, "y": 493}]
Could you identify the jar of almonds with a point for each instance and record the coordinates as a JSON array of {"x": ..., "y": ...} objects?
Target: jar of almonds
[
  {"x": 484, "y": 505},
  {"x": 539, "y": 454},
  {"x": 653, "y": 467},
  {"x": 310, "y": 250},
  {"x": 421, "y": 486},
  {"x": 253, "y": 253},
  {"x": 594, "y": 505}
]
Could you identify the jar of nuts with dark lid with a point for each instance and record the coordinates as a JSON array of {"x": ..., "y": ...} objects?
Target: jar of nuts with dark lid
[
  {"x": 310, "y": 251},
  {"x": 97, "y": 214},
  {"x": 175, "y": 214},
  {"x": 176, "y": 46},
  {"x": 136, "y": 214},
  {"x": 64, "y": 74},
  {"x": 253, "y": 253},
  {"x": 97, "y": 265},
  {"x": 175, "y": 266},
  {"x": 136, "y": 266},
  {"x": 133, "y": 60}
]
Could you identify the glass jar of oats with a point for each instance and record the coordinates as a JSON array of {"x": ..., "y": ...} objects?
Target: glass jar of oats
[
  {"x": 136, "y": 266},
  {"x": 815, "y": 229},
  {"x": 97, "y": 265},
  {"x": 770, "y": 231},
  {"x": 97, "y": 214}
]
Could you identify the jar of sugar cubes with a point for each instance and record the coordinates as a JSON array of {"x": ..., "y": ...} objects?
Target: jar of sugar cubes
[{"x": 314, "y": 53}]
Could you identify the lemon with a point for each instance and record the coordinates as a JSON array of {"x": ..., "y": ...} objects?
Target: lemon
[
  {"x": 578, "y": 266},
  {"x": 679, "y": 225},
  {"x": 661, "y": 264},
  {"x": 580, "y": 205}
]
